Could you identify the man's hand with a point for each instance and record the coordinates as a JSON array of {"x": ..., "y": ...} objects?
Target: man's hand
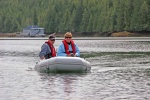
[{"x": 42, "y": 57}]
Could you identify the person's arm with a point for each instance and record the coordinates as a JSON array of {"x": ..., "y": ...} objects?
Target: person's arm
[
  {"x": 43, "y": 51},
  {"x": 77, "y": 51},
  {"x": 61, "y": 50}
]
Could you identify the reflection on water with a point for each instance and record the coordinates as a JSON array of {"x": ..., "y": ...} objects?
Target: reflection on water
[{"x": 120, "y": 71}]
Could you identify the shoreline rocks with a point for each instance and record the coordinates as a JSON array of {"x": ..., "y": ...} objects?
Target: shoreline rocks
[{"x": 90, "y": 34}]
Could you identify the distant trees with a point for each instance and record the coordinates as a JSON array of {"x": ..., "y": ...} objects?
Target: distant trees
[{"x": 75, "y": 15}]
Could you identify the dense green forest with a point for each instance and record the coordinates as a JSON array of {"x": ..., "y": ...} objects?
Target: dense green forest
[{"x": 75, "y": 15}]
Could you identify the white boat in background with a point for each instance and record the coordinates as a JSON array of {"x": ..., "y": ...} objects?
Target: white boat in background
[{"x": 63, "y": 64}]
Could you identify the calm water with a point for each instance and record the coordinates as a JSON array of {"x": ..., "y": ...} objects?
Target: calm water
[{"x": 120, "y": 71}]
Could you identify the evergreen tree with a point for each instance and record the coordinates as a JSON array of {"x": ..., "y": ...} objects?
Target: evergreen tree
[{"x": 75, "y": 15}]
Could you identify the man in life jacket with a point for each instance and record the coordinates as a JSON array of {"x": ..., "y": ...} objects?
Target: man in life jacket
[
  {"x": 48, "y": 49},
  {"x": 68, "y": 47}
]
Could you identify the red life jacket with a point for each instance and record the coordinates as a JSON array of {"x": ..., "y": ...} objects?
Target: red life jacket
[
  {"x": 53, "y": 51},
  {"x": 67, "y": 46}
]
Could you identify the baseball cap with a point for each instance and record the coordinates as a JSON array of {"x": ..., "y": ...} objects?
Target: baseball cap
[{"x": 52, "y": 37}]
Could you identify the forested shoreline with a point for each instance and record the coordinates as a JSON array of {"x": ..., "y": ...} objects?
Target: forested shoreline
[{"x": 75, "y": 15}]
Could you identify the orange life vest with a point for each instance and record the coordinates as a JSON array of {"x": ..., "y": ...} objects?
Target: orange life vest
[
  {"x": 67, "y": 46},
  {"x": 53, "y": 51}
]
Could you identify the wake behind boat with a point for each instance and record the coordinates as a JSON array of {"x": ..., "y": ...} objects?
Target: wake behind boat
[{"x": 63, "y": 64}]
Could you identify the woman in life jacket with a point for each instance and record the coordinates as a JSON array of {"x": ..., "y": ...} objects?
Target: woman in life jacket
[
  {"x": 48, "y": 49},
  {"x": 68, "y": 48}
]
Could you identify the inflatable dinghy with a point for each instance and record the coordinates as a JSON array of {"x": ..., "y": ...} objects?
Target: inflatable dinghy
[{"x": 63, "y": 64}]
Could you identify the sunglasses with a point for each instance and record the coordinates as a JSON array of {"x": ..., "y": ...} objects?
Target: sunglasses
[{"x": 68, "y": 37}]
